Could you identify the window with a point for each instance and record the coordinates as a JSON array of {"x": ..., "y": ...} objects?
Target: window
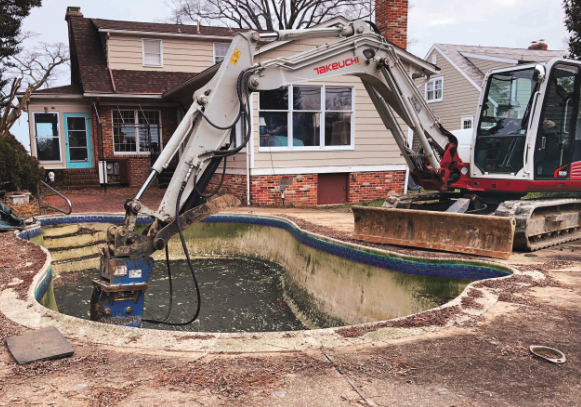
[
  {"x": 137, "y": 131},
  {"x": 152, "y": 53},
  {"x": 435, "y": 59},
  {"x": 77, "y": 133},
  {"x": 220, "y": 51},
  {"x": 306, "y": 117},
  {"x": 48, "y": 145},
  {"x": 466, "y": 123},
  {"x": 435, "y": 90},
  {"x": 503, "y": 124}
]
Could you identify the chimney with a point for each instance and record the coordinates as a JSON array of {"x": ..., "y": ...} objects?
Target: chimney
[
  {"x": 73, "y": 12},
  {"x": 539, "y": 46},
  {"x": 391, "y": 16}
]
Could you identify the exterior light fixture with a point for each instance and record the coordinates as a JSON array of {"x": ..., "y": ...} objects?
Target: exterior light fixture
[{"x": 369, "y": 53}]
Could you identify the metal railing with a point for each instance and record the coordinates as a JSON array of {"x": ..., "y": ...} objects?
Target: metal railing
[{"x": 42, "y": 207}]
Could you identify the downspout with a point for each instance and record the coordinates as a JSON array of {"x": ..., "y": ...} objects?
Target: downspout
[
  {"x": 112, "y": 80},
  {"x": 101, "y": 142},
  {"x": 247, "y": 166},
  {"x": 407, "y": 170}
]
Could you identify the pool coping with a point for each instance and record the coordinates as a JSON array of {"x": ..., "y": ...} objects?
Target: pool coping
[{"x": 32, "y": 314}]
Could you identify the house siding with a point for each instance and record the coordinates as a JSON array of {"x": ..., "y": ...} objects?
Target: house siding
[
  {"x": 460, "y": 97},
  {"x": 373, "y": 143},
  {"x": 126, "y": 52}
]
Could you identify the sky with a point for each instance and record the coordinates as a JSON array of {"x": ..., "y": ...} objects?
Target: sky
[{"x": 503, "y": 23}]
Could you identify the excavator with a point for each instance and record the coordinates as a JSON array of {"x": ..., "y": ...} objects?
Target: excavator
[{"x": 527, "y": 140}]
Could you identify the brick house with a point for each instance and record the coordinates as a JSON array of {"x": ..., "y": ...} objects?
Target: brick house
[{"x": 132, "y": 81}]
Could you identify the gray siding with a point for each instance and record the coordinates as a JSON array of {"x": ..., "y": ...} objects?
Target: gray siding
[{"x": 460, "y": 97}]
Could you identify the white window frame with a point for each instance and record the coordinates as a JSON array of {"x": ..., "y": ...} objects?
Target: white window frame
[
  {"x": 58, "y": 118},
  {"x": 471, "y": 118},
  {"x": 321, "y": 146},
  {"x": 214, "y": 49},
  {"x": 143, "y": 41},
  {"x": 433, "y": 80},
  {"x": 136, "y": 124}
]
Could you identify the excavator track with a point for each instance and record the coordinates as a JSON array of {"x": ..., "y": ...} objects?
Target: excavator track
[{"x": 543, "y": 223}]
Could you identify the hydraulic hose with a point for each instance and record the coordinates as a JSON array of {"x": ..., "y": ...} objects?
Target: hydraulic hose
[
  {"x": 168, "y": 313},
  {"x": 213, "y": 155},
  {"x": 184, "y": 246}
]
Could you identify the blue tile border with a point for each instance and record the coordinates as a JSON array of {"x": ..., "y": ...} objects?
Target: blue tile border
[
  {"x": 436, "y": 268},
  {"x": 44, "y": 285},
  {"x": 415, "y": 266}
]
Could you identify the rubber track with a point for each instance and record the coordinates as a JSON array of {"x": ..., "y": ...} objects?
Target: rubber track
[{"x": 522, "y": 211}]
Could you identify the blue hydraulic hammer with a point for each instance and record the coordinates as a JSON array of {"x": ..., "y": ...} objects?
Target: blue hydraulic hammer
[{"x": 119, "y": 293}]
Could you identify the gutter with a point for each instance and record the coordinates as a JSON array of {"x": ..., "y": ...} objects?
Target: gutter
[
  {"x": 55, "y": 96},
  {"x": 121, "y": 95},
  {"x": 159, "y": 34}
]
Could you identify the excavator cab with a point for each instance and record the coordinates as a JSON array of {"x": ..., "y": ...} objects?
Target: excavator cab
[
  {"x": 504, "y": 121},
  {"x": 529, "y": 129},
  {"x": 557, "y": 128}
]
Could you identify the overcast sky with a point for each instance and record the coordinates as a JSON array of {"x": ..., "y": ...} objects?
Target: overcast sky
[{"x": 504, "y": 23}]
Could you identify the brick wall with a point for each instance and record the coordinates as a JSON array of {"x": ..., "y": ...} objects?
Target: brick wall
[
  {"x": 139, "y": 165},
  {"x": 232, "y": 185},
  {"x": 391, "y": 16},
  {"x": 301, "y": 190},
  {"x": 370, "y": 186}
]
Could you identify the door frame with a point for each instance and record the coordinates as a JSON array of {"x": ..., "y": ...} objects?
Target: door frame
[
  {"x": 89, "y": 162},
  {"x": 573, "y": 130}
]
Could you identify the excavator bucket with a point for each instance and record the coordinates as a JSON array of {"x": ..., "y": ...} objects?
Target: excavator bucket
[{"x": 490, "y": 236}]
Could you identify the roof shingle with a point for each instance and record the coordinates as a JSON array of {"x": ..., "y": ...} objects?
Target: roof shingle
[
  {"x": 164, "y": 28},
  {"x": 75, "y": 89},
  {"x": 95, "y": 76},
  {"x": 455, "y": 53}
]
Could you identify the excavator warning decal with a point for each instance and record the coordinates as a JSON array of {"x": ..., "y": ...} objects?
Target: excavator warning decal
[{"x": 235, "y": 57}]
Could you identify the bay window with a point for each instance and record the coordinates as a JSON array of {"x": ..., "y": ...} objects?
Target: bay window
[
  {"x": 137, "y": 131},
  {"x": 306, "y": 117}
]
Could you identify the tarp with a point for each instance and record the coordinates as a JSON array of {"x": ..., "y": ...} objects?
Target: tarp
[{"x": 9, "y": 221}]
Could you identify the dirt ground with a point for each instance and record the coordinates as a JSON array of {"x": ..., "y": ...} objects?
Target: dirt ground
[
  {"x": 485, "y": 364},
  {"x": 481, "y": 362}
]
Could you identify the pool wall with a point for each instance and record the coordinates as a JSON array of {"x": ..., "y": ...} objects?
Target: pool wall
[{"x": 328, "y": 283}]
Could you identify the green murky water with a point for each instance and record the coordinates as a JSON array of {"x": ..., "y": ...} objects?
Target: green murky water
[{"x": 238, "y": 295}]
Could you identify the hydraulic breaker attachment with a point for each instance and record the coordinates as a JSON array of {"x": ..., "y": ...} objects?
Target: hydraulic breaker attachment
[
  {"x": 490, "y": 236},
  {"x": 118, "y": 296}
]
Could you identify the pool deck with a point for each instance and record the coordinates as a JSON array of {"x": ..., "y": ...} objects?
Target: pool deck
[{"x": 481, "y": 362}]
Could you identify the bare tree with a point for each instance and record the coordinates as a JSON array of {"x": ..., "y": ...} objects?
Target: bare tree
[
  {"x": 30, "y": 70},
  {"x": 268, "y": 14}
]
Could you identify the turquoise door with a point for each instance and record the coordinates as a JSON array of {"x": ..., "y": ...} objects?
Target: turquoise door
[{"x": 78, "y": 140}]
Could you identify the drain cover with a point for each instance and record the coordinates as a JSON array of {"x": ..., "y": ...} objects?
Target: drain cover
[{"x": 42, "y": 344}]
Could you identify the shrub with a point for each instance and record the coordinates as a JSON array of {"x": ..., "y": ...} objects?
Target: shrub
[{"x": 18, "y": 170}]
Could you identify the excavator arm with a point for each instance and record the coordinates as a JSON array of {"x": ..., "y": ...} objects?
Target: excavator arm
[{"x": 206, "y": 131}]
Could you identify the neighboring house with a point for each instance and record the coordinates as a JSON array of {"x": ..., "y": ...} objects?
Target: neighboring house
[
  {"x": 454, "y": 93},
  {"x": 132, "y": 82}
]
